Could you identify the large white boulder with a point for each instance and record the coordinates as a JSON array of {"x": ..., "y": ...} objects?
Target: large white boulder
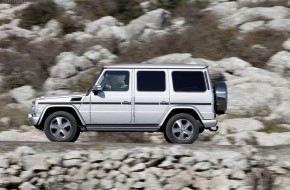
[
  {"x": 233, "y": 64},
  {"x": 175, "y": 58},
  {"x": 95, "y": 26},
  {"x": 286, "y": 44},
  {"x": 80, "y": 41},
  {"x": 12, "y": 31},
  {"x": 239, "y": 125},
  {"x": 51, "y": 30},
  {"x": 155, "y": 20},
  {"x": 68, "y": 64},
  {"x": 63, "y": 70},
  {"x": 279, "y": 25},
  {"x": 9, "y": 12},
  {"x": 249, "y": 98},
  {"x": 223, "y": 9},
  {"x": 272, "y": 139},
  {"x": 23, "y": 93},
  {"x": 252, "y": 26},
  {"x": 53, "y": 84},
  {"x": 280, "y": 63},
  {"x": 250, "y": 2},
  {"x": 99, "y": 55},
  {"x": 245, "y": 14},
  {"x": 66, "y": 4}
]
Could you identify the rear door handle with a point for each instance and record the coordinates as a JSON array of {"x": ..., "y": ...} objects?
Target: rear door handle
[
  {"x": 163, "y": 103},
  {"x": 126, "y": 102}
]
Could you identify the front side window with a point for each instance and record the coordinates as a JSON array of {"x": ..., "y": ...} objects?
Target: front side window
[
  {"x": 188, "y": 81},
  {"x": 115, "y": 81},
  {"x": 151, "y": 81}
]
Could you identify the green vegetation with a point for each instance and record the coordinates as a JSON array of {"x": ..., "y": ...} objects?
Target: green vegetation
[
  {"x": 273, "y": 127},
  {"x": 128, "y": 10},
  {"x": 38, "y": 14},
  {"x": 269, "y": 3},
  {"x": 203, "y": 39},
  {"x": 85, "y": 82},
  {"x": 124, "y": 10},
  {"x": 17, "y": 117}
]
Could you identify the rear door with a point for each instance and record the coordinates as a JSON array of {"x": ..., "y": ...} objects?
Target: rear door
[
  {"x": 151, "y": 95},
  {"x": 191, "y": 88}
]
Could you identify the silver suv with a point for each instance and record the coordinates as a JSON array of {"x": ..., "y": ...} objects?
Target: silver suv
[{"x": 177, "y": 100}]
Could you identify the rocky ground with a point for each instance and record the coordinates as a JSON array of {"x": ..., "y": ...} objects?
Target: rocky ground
[
  {"x": 128, "y": 166},
  {"x": 59, "y": 46},
  {"x": 55, "y": 56}
]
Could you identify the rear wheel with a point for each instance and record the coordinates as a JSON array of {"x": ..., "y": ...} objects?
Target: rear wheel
[
  {"x": 182, "y": 129},
  {"x": 61, "y": 127}
]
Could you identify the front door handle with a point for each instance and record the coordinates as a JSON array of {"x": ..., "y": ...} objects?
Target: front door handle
[{"x": 126, "y": 102}]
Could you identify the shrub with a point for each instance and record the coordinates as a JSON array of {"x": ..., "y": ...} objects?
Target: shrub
[
  {"x": 85, "y": 82},
  {"x": 17, "y": 117},
  {"x": 70, "y": 25},
  {"x": 203, "y": 39},
  {"x": 269, "y": 3},
  {"x": 128, "y": 10},
  {"x": 273, "y": 127},
  {"x": 267, "y": 42},
  {"x": 124, "y": 10},
  {"x": 38, "y": 13},
  {"x": 95, "y": 9}
]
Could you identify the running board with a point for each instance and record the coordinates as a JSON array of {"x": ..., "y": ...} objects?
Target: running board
[{"x": 122, "y": 128}]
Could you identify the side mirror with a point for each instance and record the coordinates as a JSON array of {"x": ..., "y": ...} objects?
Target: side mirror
[{"x": 96, "y": 89}]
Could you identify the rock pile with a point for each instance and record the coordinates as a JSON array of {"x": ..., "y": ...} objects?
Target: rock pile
[{"x": 171, "y": 168}]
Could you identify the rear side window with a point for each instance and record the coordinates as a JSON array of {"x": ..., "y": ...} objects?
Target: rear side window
[
  {"x": 188, "y": 81},
  {"x": 149, "y": 81}
]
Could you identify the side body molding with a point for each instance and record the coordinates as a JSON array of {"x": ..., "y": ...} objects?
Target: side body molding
[
  {"x": 170, "y": 109},
  {"x": 62, "y": 106}
]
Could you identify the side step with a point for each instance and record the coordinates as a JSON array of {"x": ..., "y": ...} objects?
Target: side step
[{"x": 122, "y": 128}]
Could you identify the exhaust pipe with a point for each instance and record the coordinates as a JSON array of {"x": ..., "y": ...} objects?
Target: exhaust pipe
[{"x": 214, "y": 129}]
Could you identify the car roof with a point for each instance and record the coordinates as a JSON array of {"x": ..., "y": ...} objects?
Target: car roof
[{"x": 155, "y": 66}]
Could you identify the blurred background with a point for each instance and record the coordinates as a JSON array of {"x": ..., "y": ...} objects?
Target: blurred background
[{"x": 58, "y": 46}]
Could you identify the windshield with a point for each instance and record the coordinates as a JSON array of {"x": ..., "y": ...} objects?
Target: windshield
[{"x": 90, "y": 89}]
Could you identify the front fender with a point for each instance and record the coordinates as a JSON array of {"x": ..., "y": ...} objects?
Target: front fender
[{"x": 61, "y": 106}]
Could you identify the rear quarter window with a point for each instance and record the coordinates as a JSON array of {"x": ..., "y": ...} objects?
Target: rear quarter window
[{"x": 188, "y": 81}]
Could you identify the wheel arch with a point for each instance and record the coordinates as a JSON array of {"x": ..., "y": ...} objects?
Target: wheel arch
[
  {"x": 176, "y": 110},
  {"x": 67, "y": 108}
]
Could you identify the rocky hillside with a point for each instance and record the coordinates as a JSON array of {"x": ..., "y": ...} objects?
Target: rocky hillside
[
  {"x": 103, "y": 166},
  {"x": 58, "y": 46}
]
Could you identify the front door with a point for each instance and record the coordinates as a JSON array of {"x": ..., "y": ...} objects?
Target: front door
[
  {"x": 114, "y": 104},
  {"x": 151, "y": 95}
]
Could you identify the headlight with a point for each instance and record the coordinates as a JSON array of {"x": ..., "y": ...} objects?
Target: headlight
[{"x": 33, "y": 107}]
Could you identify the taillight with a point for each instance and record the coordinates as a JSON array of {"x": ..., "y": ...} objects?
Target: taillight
[{"x": 214, "y": 114}]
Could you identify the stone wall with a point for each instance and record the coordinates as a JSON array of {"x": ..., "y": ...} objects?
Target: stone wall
[{"x": 143, "y": 167}]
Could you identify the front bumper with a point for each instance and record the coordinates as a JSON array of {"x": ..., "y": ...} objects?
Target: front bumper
[
  {"x": 210, "y": 124},
  {"x": 33, "y": 120}
]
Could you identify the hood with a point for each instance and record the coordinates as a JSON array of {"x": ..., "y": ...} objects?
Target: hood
[{"x": 73, "y": 95}]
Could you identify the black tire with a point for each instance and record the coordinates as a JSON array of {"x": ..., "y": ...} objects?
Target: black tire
[
  {"x": 166, "y": 138},
  {"x": 61, "y": 127},
  {"x": 201, "y": 129},
  {"x": 187, "y": 133}
]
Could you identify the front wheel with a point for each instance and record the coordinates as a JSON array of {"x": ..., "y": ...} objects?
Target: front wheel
[
  {"x": 61, "y": 127},
  {"x": 182, "y": 129}
]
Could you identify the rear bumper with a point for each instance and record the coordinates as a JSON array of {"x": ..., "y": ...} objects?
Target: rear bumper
[
  {"x": 33, "y": 120},
  {"x": 209, "y": 124}
]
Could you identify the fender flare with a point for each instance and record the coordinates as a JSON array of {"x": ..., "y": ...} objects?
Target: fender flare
[
  {"x": 164, "y": 117},
  {"x": 61, "y": 106}
]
